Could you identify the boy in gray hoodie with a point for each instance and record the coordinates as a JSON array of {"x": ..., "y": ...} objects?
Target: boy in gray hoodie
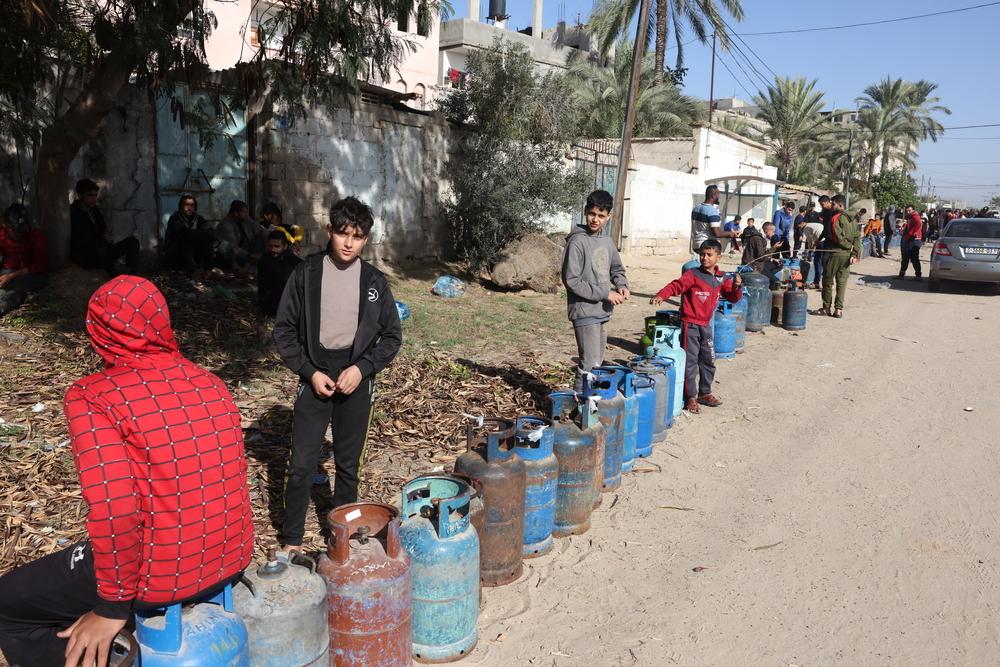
[{"x": 595, "y": 281}]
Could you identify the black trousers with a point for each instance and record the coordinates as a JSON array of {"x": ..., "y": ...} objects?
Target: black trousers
[
  {"x": 888, "y": 239},
  {"x": 349, "y": 417},
  {"x": 699, "y": 369},
  {"x": 910, "y": 253},
  {"x": 44, "y": 597}
]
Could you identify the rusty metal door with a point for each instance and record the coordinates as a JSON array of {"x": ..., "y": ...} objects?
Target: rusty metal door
[{"x": 598, "y": 158}]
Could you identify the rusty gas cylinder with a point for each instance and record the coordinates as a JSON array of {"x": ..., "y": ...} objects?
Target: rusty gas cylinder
[
  {"x": 491, "y": 461},
  {"x": 124, "y": 650},
  {"x": 576, "y": 433},
  {"x": 368, "y": 587}
]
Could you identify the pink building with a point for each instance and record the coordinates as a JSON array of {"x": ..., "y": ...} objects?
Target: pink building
[{"x": 237, "y": 39}]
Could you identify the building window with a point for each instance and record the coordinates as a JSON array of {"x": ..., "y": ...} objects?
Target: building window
[
  {"x": 454, "y": 78},
  {"x": 403, "y": 19}
]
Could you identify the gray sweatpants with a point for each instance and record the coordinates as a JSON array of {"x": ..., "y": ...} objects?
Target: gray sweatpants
[
  {"x": 699, "y": 371},
  {"x": 591, "y": 340}
]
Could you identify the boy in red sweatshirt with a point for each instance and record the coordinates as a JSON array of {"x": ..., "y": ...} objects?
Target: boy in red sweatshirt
[{"x": 700, "y": 290}]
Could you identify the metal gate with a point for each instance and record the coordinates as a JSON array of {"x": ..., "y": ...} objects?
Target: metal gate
[
  {"x": 214, "y": 171},
  {"x": 598, "y": 158}
]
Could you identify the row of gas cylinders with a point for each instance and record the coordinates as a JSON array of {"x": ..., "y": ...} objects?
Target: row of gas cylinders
[
  {"x": 402, "y": 584},
  {"x": 760, "y": 306}
]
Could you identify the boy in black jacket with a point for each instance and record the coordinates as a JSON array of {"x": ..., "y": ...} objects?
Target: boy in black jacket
[
  {"x": 336, "y": 327},
  {"x": 273, "y": 272}
]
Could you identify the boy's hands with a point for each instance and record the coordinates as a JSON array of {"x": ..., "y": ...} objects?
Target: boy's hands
[
  {"x": 322, "y": 384},
  {"x": 625, "y": 293},
  {"x": 656, "y": 300},
  {"x": 738, "y": 281},
  {"x": 348, "y": 380},
  {"x": 616, "y": 298},
  {"x": 90, "y": 639}
]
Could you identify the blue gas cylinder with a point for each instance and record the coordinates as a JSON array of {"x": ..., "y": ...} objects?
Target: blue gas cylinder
[
  {"x": 630, "y": 418},
  {"x": 667, "y": 343},
  {"x": 206, "y": 634},
  {"x": 645, "y": 399},
  {"x": 534, "y": 440},
  {"x": 795, "y": 309},
  {"x": 437, "y": 533},
  {"x": 725, "y": 331},
  {"x": 690, "y": 264},
  {"x": 663, "y": 407},
  {"x": 757, "y": 288},
  {"x": 575, "y": 443},
  {"x": 667, "y": 366},
  {"x": 602, "y": 384},
  {"x": 740, "y": 311}
]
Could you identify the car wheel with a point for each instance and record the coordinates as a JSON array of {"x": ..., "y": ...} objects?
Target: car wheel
[{"x": 934, "y": 284}]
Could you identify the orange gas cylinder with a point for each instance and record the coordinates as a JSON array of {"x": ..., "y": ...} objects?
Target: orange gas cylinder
[{"x": 368, "y": 587}]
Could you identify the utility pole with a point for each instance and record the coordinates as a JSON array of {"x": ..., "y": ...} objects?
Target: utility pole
[
  {"x": 711, "y": 84},
  {"x": 850, "y": 167},
  {"x": 625, "y": 150}
]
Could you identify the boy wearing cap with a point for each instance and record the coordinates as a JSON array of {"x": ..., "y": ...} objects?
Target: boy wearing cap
[{"x": 25, "y": 258}]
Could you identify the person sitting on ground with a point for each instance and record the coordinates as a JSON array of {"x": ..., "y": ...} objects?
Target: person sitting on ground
[
  {"x": 337, "y": 327},
  {"x": 189, "y": 242},
  {"x": 873, "y": 232},
  {"x": 91, "y": 245},
  {"x": 240, "y": 239},
  {"x": 24, "y": 258},
  {"x": 595, "y": 281},
  {"x": 756, "y": 246},
  {"x": 700, "y": 290},
  {"x": 272, "y": 216},
  {"x": 273, "y": 271},
  {"x": 158, "y": 447}
]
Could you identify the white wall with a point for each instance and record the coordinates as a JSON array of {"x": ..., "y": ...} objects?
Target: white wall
[{"x": 658, "y": 211}]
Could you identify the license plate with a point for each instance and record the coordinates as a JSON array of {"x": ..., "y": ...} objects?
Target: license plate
[{"x": 980, "y": 251}]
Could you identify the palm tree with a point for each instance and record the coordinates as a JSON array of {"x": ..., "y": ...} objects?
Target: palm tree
[
  {"x": 614, "y": 17},
  {"x": 661, "y": 109},
  {"x": 791, "y": 108},
  {"x": 898, "y": 115}
]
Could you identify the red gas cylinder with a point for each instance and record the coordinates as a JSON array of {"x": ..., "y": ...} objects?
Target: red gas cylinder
[{"x": 368, "y": 587}]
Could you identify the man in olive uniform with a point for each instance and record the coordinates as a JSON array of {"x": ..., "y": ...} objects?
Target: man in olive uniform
[{"x": 843, "y": 241}]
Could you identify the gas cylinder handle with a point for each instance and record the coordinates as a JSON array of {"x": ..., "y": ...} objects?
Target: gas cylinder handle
[
  {"x": 446, "y": 525},
  {"x": 478, "y": 435},
  {"x": 303, "y": 560},
  {"x": 245, "y": 580}
]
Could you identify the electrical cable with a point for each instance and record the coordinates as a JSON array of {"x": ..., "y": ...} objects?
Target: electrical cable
[
  {"x": 733, "y": 33},
  {"x": 871, "y": 23},
  {"x": 749, "y": 78},
  {"x": 735, "y": 78}
]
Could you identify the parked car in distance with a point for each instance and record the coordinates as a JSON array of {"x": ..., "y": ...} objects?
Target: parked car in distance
[{"x": 968, "y": 250}]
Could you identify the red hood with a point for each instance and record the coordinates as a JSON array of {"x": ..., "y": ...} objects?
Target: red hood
[{"x": 127, "y": 318}]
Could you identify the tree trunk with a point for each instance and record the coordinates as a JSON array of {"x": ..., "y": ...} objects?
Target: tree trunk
[
  {"x": 661, "y": 40},
  {"x": 61, "y": 142},
  {"x": 63, "y": 139}
]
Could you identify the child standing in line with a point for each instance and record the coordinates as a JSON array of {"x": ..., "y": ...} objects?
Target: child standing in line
[
  {"x": 595, "y": 281},
  {"x": 337, "y": 326},
  {"x": 700, "y": 290}
]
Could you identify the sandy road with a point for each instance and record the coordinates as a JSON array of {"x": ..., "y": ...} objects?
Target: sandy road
[{"x": 843, "y": 504}]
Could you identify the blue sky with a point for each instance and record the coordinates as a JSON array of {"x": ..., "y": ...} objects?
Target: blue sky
[{"x": 957, "y": 52}]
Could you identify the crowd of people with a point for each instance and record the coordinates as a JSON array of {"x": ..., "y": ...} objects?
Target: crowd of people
[{"x": 238, "y": 245}]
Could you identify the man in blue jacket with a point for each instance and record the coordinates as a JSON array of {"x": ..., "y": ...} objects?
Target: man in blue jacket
[{"x": 783, "y": 229}]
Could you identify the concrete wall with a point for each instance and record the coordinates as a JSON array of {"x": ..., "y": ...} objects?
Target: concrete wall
[
  {"x": 658, "y": 212},
  {"x": 395, "y": 161}
]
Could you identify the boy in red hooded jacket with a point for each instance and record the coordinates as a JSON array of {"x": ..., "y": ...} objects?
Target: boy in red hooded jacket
[
  {"x": 700, "y": 289},
  {"x": 159, "y": 449}
]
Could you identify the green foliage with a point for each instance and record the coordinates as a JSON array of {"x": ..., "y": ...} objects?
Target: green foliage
[
  {"x": 511, "y": 174},
  {"x": 791, "y": 108},
  {"x": 661, "y": 109},
  {"x": 613, "y": 19},
  {"x": 995, "y": 202},
  {"x": 894, "y": 188}
]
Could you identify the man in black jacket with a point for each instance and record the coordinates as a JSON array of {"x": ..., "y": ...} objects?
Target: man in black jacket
[
  {"x": 337, "y": 326},
  {"x": 90, "y": 242}
]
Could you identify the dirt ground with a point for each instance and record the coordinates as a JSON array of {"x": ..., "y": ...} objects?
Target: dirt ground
[{"x": 840, "y": 508}]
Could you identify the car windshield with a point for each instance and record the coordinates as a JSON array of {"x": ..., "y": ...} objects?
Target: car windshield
[{"x": 974, "y": 229}]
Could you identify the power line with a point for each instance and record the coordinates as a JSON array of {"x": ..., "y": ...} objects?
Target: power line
[
  {"x": 749, "y": 48},
  {"x": 870, "y": 23},
  {"x": 957, "y": 164},
  {"x": 749, "y": 78},
  {"x": 735, "y": 78}
]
